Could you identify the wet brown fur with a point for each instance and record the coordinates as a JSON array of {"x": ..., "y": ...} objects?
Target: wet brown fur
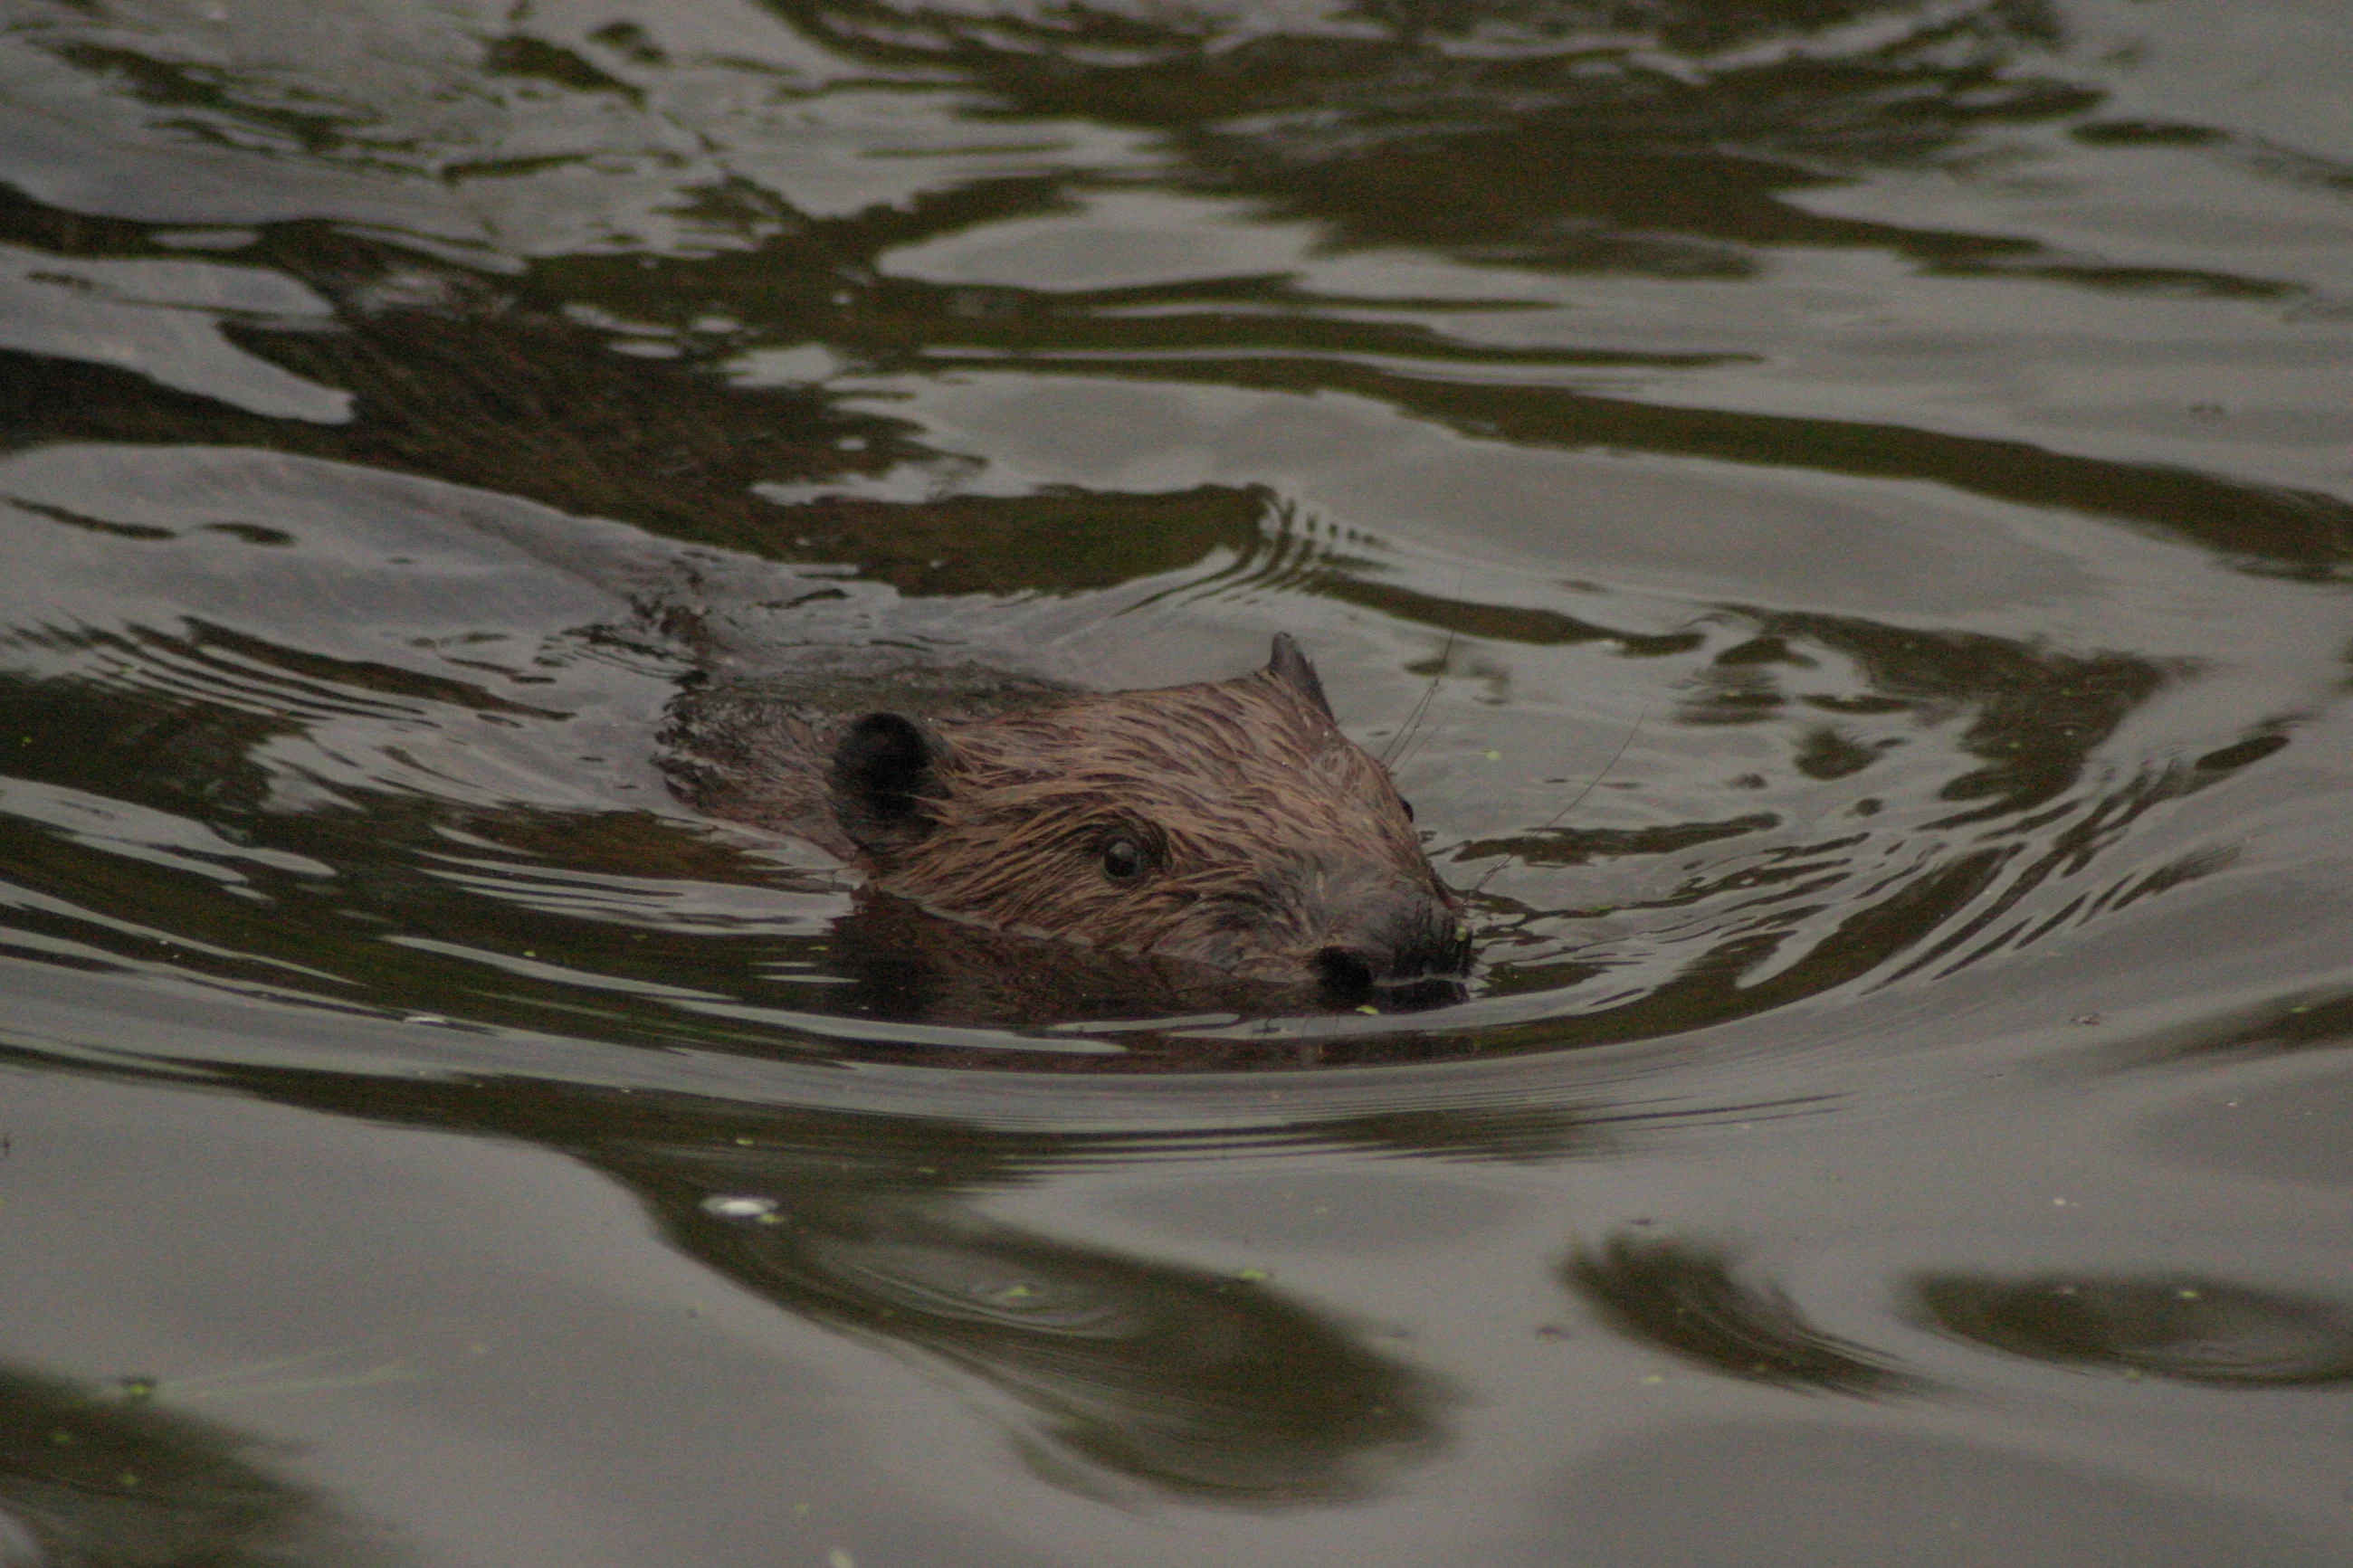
[
  {"x": 1269, "y": 840},
  {"x": 1259, "y": 816}
]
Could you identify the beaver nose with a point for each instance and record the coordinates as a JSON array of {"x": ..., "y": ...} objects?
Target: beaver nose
[{"x": 1392, "y": 938}]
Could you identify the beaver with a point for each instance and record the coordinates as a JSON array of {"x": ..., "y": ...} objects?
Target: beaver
[{"x": 1227, "y": 825}]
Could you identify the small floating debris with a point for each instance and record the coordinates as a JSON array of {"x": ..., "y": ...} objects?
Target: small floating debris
[{"x": 738, "y": 1205}]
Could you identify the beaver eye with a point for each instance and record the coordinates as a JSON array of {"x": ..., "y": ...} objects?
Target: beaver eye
[
  {"x": 1409, "y": 807},
  {"x": 1123, "y": 859}
]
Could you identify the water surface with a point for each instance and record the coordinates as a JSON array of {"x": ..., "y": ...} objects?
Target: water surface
[{"x": 1839, "y": 516}]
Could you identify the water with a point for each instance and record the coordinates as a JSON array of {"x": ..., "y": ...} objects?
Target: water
[{"x": 1840, "y": 516}]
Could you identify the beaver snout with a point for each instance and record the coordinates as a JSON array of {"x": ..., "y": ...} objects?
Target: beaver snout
[{"x": 1398, "y": 943}]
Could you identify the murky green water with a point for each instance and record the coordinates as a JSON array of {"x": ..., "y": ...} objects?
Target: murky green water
[{"x": 1841, "y": 514}]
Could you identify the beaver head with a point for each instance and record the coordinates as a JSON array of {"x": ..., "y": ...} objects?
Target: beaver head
[{"x": 1228, "y": 823}]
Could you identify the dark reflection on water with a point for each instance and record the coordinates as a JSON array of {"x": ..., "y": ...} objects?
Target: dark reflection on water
[
  {"x": 109, "y": 1478},
  {"x": 496, "y": 386},
  {"x": 2320, "y": 1020},
  {"x": 1114, "y": 1374},
  {"x": 1689, "y": 1300},
  {"x": 2191, "y": 1329},
  {"x": 2299, "y": 534},
  {"x": 1514, "y": 133},
  {"x": 1125, "y": 1373}
]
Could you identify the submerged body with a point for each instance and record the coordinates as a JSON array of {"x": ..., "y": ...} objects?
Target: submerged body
[{"x": 1227, "y": 825}]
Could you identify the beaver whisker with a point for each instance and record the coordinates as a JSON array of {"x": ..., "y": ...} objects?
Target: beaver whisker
[
  {"x": 1554, "y": 820},
  {"x": 1399, "y": 751}
]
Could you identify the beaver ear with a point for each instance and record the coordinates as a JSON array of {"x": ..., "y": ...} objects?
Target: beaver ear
[
  {"x": 1291, "y": 667},
  {"x": 883, "y": 767}
]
